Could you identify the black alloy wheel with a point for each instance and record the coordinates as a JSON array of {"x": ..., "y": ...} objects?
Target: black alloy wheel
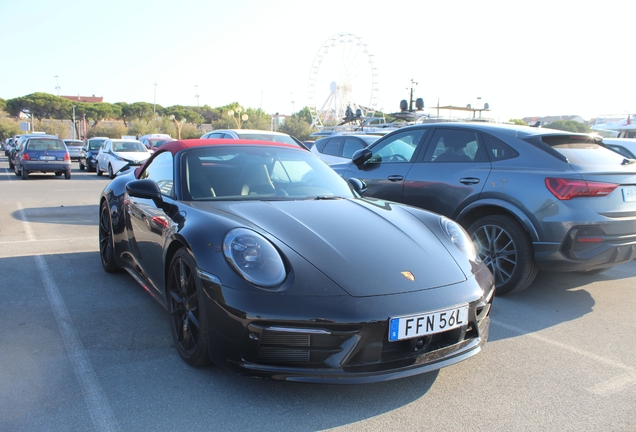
[
  {"x": 503, "y": 245},
  {"x": 106, "y": 241},
  {"x": 187, "y": 319}
]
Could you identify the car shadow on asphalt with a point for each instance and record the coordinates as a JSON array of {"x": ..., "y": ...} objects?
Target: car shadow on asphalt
[
  {"x": 63, "y": 215},
  {"x": 553, "y": 298}
]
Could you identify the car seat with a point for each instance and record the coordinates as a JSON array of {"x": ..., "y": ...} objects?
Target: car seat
[
  {"x": 256, "y": 180},
  {"x": 197, "y": 182},
  {"x": 454, "y": 153}
]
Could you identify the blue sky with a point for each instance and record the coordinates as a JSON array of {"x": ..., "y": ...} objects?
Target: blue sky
[{"x": 524, "y": 58}]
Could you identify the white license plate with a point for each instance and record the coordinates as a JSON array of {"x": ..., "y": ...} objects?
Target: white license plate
[
  {"x": 629, "y": 193},
  {"x": 429, "y": 323},
  {"x": 47, "y": 157}
]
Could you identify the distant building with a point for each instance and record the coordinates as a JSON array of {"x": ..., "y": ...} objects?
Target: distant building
[{"x": 89, "y": 99}]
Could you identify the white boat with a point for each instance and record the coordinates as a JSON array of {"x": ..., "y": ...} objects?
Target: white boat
[{"x": 615, "y": 126}]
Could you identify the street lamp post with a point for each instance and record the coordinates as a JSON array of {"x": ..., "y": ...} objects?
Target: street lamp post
[
  {"x": 74, "y": 128},
  {"x": 238, "y": 119},
  {"x": 179, "y": 124}
]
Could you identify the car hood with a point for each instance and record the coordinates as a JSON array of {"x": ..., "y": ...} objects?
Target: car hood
[
  {"x": 366, "y": 249},
  {"x": 133, "y": 156}
]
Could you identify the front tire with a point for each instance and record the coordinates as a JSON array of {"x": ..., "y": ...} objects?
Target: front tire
[
  {"x": 98, "y": 171},
  {"x": 111, "y": 174},
  {"x": 504, "y": 246},
  {"x": 187, "y": 316},
  {"x": 106, "y": 240}
]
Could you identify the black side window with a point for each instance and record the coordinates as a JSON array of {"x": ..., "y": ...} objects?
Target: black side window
[
  {"x": 160, "y": 170},
  {"x": 333, "y": 147},
  {"x": 319, "y": 144},
  {"x": 498, "y": 150},
  {"x": 351, "y": 145},
  {"x": 455, "y": 145}
]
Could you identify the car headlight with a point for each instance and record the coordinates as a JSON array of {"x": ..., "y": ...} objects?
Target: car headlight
[
  {"x": 254, "y": 258},
  {"x": 459, "y": 237}
]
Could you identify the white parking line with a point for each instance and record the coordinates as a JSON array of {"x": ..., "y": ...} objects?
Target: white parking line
[
  {"x": 56, "y": 240},
  {"x": 27, "y": 226},
  {"x": 605, "y": 388},
  {"x": 98, "y": 407}
]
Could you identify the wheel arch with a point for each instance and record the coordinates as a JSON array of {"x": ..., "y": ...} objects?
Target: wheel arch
[
  {"x": 175, "y": 245},
  {"x": 478, "y": 209}
]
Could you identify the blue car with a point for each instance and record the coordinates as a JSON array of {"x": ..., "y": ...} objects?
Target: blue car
[{"x": 42, "y": 155}]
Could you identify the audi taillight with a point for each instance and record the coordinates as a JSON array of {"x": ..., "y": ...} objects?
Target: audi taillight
[{"x": 566, "y": 189}]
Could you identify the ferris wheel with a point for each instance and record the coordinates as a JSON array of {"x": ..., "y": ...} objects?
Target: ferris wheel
[{"x": 342, "y": 76}]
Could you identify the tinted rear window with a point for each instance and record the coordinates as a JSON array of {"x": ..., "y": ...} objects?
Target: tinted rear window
[
  {"x": 40, "y": 145},
  {"x": 589, "y": 154}
]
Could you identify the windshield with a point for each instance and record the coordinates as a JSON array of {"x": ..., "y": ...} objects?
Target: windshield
[
  {"x": 258, "y": 172},
  {"x": 128, "y": 146},
  {"x": 95, "y": 144}
]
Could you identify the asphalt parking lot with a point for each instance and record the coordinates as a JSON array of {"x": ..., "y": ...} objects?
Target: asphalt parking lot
[{"x": 83, "y": 350}]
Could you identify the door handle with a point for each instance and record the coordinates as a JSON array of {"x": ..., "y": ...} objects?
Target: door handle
[
  {"x": 394, "y": 178},
  {"x": 469, "y": 180}
]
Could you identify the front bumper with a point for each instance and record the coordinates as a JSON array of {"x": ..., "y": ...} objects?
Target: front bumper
[{"x": 353, "y": 348}]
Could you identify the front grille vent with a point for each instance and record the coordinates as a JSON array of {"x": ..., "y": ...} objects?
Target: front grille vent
[
  {"x": 287, "y": 339},
  {"x": 267, "y": 354}
]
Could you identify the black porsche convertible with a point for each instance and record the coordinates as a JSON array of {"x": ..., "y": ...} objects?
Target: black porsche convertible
[{"x": 272, "y": 265}]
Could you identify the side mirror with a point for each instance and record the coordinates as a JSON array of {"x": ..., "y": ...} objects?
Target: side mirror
[
  {"x": 358, "y": 185},
  {"x": 361, "y": 156},
  {"x": 145, "y": 189}
]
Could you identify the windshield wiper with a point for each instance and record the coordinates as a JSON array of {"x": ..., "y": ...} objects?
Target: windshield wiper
[{"x": 327, "y": 197}]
